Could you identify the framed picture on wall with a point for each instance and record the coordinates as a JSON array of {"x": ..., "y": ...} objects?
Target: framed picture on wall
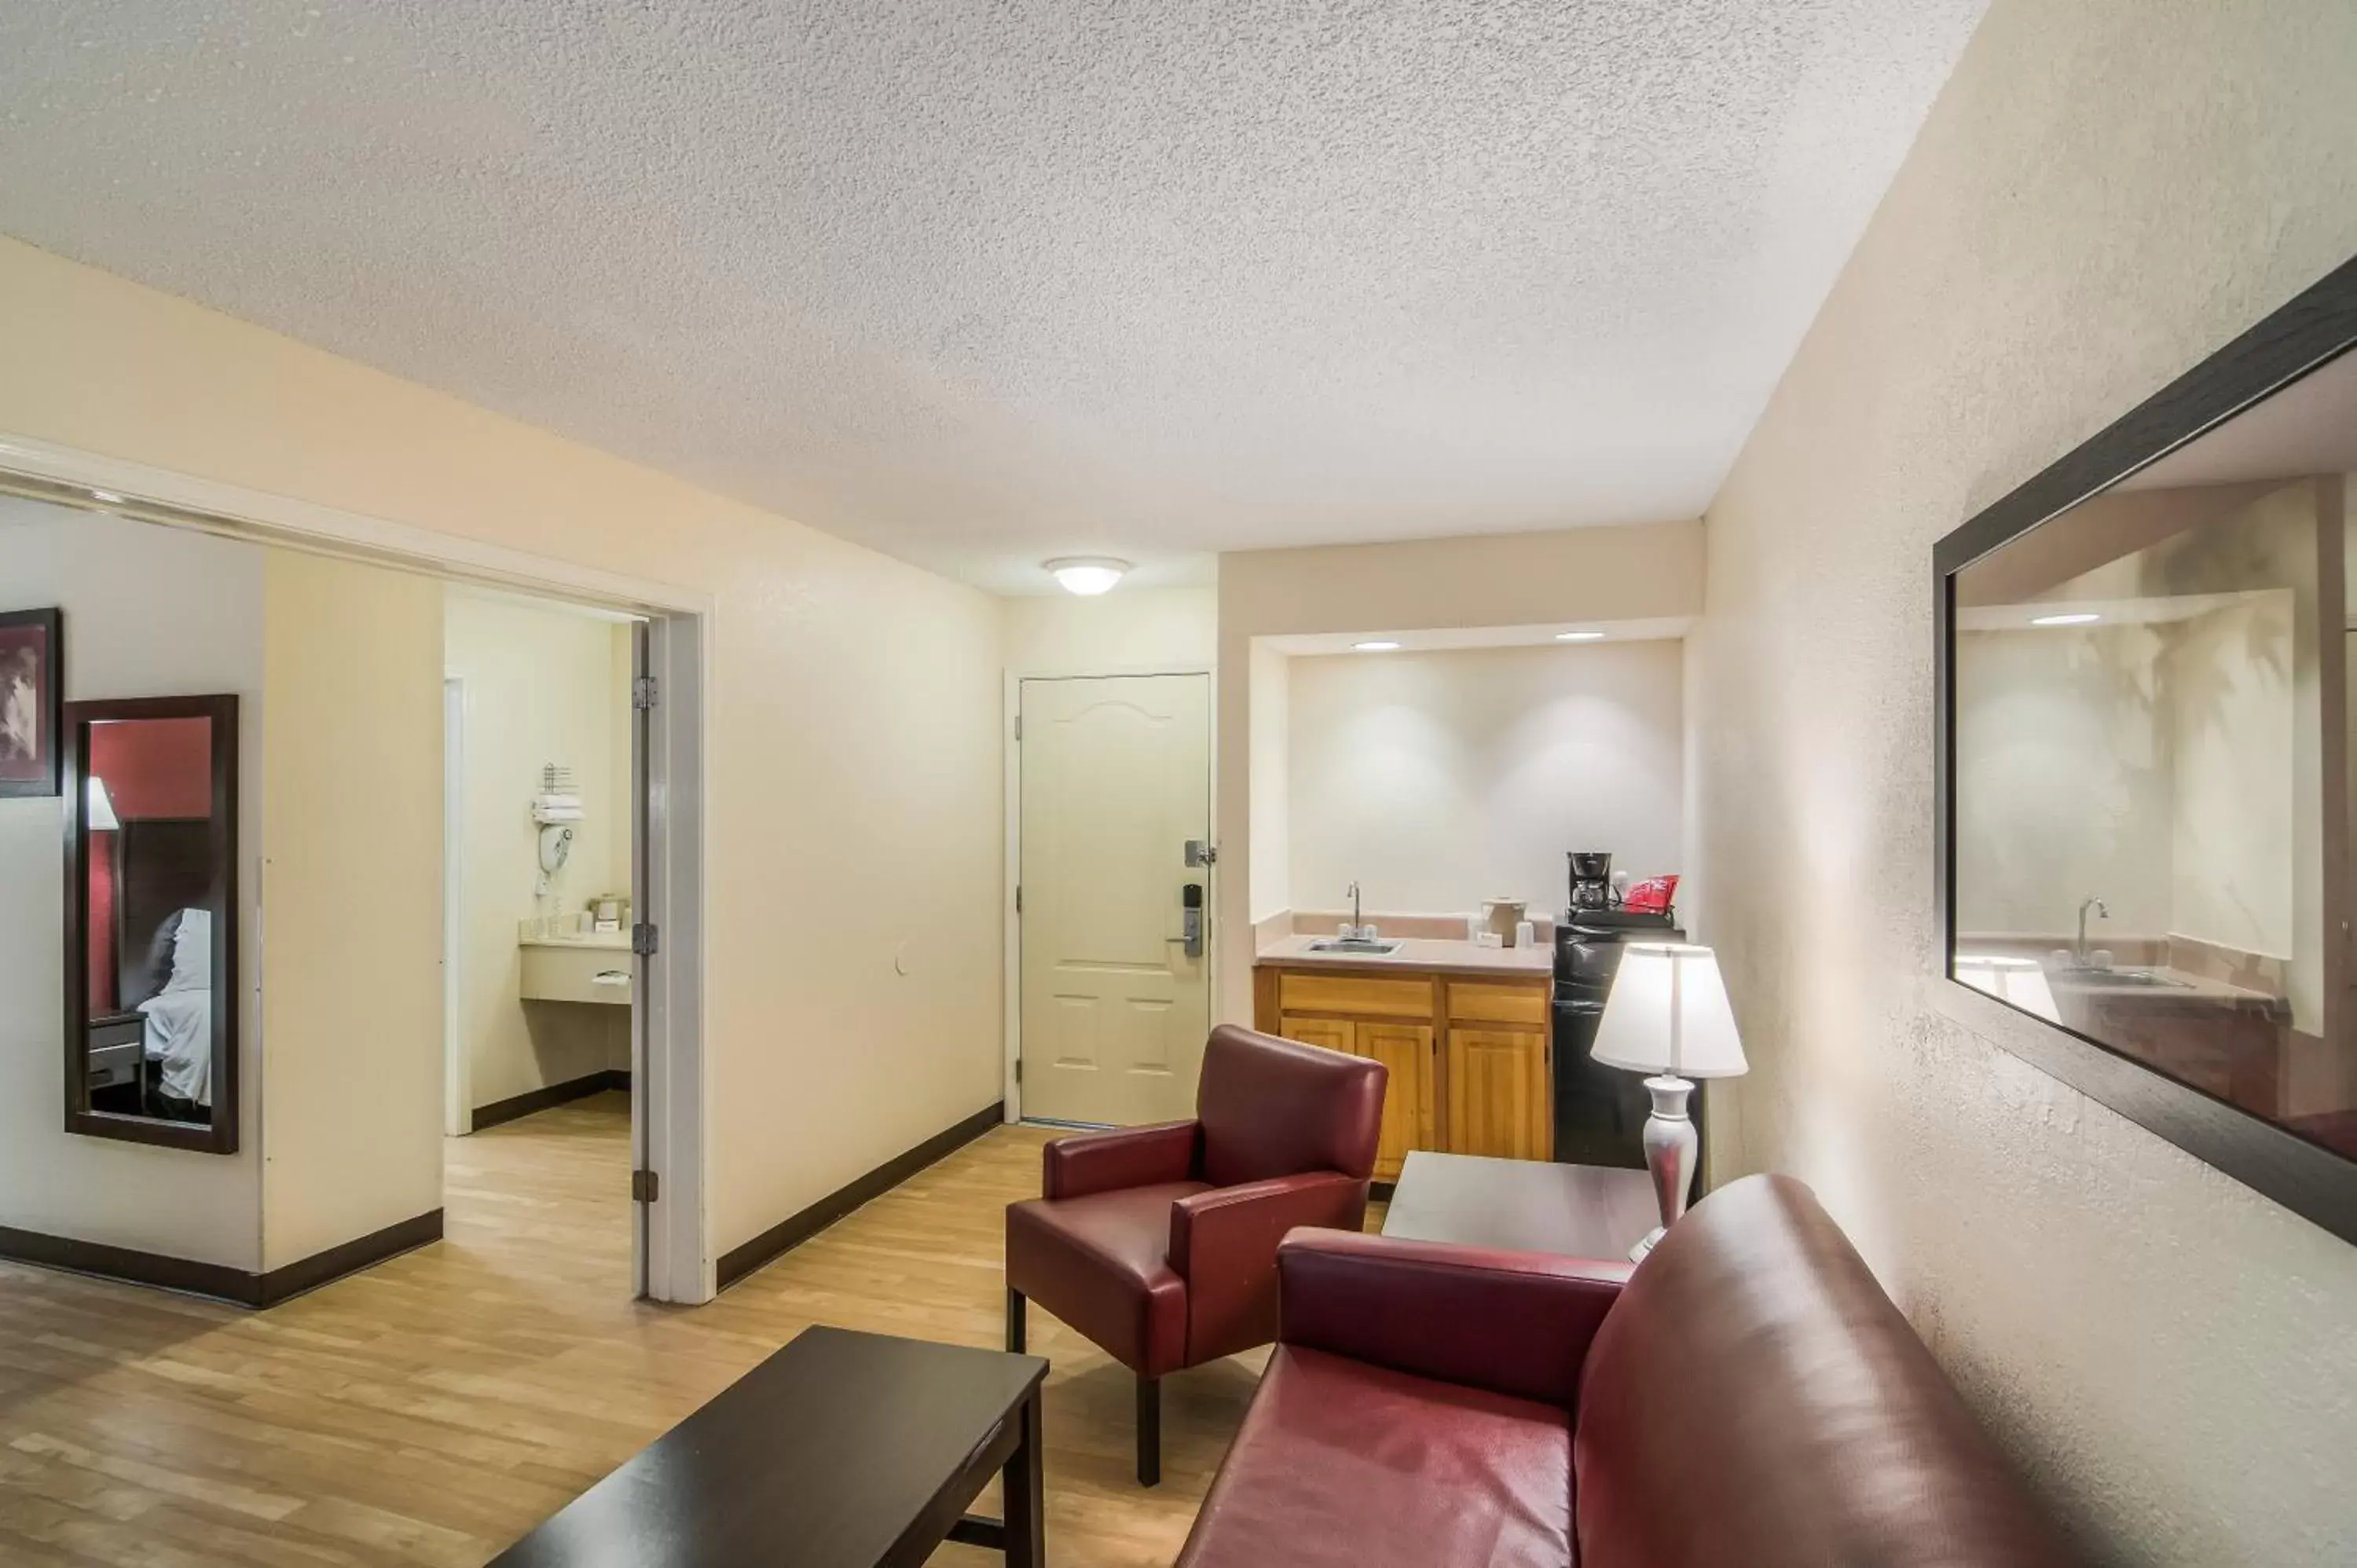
[{"x": 32, "y": 701}]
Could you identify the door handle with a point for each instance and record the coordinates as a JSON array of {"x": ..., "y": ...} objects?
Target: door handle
[{"x": 1190, "y": 918}]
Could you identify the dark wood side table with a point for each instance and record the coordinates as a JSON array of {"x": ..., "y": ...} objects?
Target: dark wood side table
[
  {"x": 843, "y": 1450},
  {"x": 1525, "y": 1205}
]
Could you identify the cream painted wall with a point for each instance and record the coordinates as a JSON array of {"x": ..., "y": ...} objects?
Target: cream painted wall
[
  {"x": 2234, "y": 837},
  {"x": 541, "y": 686},
  {"x": 852, "y": 748},
  {"x": 1270, "y": 782},
  {"x": 1587, "y": 574},
  {"x": 1126, "y": 629},
  {"x": 149, "y": 612},
  {"x": 2103, "y": 193},
  {"x": 351, "y": 899},
  {"x": 1437, "y": 779}
]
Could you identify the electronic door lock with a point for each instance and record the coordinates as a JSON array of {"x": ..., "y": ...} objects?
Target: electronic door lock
[{"x": 1190, "y": 918}]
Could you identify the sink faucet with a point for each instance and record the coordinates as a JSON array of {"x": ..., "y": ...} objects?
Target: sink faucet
[
  {"x": 1356, "y": 926},
  {"x": 2079, "y": 952}
]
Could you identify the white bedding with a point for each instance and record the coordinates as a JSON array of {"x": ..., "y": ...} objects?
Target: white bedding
[
  {"x": 181, "y": 1036},
  {"x": 181, "y": 1016}
]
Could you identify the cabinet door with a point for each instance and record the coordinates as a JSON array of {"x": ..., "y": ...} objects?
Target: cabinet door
[
  {"x": 1333, "y": 1034},
  {"x": 1406, "y": 1051},
  {"x": 1499, "y": 1099}
]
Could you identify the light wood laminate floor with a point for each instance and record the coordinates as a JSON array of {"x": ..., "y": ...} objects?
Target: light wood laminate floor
[{"x": 438, "y": 1406}]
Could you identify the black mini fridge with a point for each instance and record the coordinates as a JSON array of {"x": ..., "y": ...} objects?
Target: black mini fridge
[{"x": 1599, "y": 1111}]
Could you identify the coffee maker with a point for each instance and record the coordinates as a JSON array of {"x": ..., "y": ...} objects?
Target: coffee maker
[{"x": 1591, "y": 880}]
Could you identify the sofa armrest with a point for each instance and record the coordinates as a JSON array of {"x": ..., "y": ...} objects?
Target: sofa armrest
[
  {"x": 1513, "y": 1323},
  {"x": 1128, "y": 1156}
]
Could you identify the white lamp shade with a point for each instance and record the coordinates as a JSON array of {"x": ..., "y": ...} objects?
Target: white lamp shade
[
  {"x": 2019, "y": 981},
  {"x": 98, "y": 807},
  {"x": 1668, "y": 1013}
]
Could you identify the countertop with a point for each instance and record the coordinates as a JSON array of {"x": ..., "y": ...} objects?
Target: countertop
[
  {"x": 2189, "y": 988},
  {"x": 1421, "y": 955},
  {"x": 610, "y": 941}
]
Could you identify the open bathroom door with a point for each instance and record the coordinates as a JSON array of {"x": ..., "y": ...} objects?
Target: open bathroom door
[{"x": 642, "y": 1084}]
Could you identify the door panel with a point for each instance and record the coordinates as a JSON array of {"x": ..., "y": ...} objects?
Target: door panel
[
  {"x": 1333, "y": 1034},
  {"x": 1116, "y": 777},
  {"x": 1406, "y": 1051},
  {"x": 1497, "y": 1093}
]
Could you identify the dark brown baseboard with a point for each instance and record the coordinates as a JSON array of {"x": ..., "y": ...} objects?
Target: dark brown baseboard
[
  {"x": 549, "y": 1095},
  {"x": 239, "y": 1287},
  {"x": 788, "y": 1234}
]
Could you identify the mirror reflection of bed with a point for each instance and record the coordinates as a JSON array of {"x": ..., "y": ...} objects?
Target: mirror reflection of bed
[{"x": 153, "y": 895}]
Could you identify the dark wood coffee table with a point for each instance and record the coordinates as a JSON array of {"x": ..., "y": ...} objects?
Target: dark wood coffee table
[
  {"x": 1525, "y": 1206},
  {"x": 843, "y": 1450}
]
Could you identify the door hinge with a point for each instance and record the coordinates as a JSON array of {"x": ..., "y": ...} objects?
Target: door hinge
[
  {"x": 644, "y": 691},
  {"x": 1019, "y": 1070},
  {"x": 645, "y": 1187},
  {"x": 642, "y": 940},
  {"x": 1018, "y": 897},
  {"x": 1018, "y": 729}
]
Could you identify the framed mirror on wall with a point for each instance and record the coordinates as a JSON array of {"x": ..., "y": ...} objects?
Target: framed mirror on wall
[
  {"x": 2147, "y": 793},
  {"x": 151, "y": 906}
]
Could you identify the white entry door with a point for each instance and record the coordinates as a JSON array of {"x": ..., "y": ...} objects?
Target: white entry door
[{"x": 1116, "y": 779}]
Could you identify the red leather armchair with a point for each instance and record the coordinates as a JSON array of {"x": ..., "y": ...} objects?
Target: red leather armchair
[{"x": 1159, "y": 1243}]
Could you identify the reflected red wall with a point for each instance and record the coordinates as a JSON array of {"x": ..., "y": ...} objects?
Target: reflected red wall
[{"x": 151, "y": 767}]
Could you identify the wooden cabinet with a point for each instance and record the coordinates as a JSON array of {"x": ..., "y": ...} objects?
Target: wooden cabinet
[
  {"x": 1468, "y": 1055},
  {"x": 1501, "y": 1098}
]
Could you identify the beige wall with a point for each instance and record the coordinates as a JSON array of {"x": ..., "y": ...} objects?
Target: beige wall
[
  {"x": 1436, "y": 780},
  {"x": 542, "y": 687},
  {"x": 149, "y": 612},
  {"x": 1587, "y": 574},
  {"x": 2103, "y": 193},
  {"x": 853, "y": 746},
  {"x": 1126, "y": 629},
  {"x": 352, "y": 897}
]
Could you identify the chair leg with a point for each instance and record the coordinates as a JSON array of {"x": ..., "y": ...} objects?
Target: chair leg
[
  {"x": 1149, "y": 1432},
  {"x": 1017, "y": 1320}
]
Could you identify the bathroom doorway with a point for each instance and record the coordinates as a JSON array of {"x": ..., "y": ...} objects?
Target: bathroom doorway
[{"x": 541, "y": 817}]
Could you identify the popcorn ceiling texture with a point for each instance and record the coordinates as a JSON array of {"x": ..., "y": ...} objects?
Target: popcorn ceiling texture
[
  {"x": 981, "y": 284},
  {"x": 2107, "y": 191}
]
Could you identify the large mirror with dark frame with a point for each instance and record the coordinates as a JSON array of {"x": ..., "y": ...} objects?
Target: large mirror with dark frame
[
  {"x": 151, "y": 921},
  {"x": 2147, "y": 729}
]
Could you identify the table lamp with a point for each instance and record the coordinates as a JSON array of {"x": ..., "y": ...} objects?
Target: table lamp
[{"x": 1668, "y": 1017}]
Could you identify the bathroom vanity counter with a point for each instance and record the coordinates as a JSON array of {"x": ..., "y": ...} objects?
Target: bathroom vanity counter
[
  {"x": 610, "y": 941},
  {"x": 593, "y": 967}
]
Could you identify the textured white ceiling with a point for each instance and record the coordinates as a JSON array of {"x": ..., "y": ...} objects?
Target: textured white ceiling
[{"x": 983, "y": 283}]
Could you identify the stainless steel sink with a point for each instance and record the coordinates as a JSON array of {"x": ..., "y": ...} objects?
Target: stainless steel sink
[
  {"x": 2089, "y": 976},
  {"x": 1355, "y": 944}
]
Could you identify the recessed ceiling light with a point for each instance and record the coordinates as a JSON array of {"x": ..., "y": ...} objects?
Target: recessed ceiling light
[
  {"x": 104, "y": 496},
  {"x": 1577, "y": 636},
  {"x": 1086, "y": 575},
  {"x": 2076, "y": 617},
  {"x": 1377, "y": 645}
]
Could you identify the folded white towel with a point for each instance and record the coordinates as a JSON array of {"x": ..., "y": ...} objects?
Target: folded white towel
[
  {"x": 546, "y": 814},
  {"x": 558, "y": 803}
]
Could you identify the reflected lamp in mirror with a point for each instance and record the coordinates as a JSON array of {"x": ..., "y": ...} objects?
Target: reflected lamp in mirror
[
  {"x": 1668, "y": 1017},
  {"x": 98, "y": 809},
  {"x": 2019, "y": 981}
]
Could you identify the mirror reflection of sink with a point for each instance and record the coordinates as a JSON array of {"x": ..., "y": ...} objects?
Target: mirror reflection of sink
[
  {"x": 1355, "y": 944},
  {"x": 2082, "y": 974}
]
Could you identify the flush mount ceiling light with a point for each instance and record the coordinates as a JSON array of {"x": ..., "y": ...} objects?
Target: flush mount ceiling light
[
  {"x": 1375, "y": 645},
  {"x": 1086, "y": 575},
  {"x": 2076, "y": 617},
  {"x": 1577, "y": 636}
]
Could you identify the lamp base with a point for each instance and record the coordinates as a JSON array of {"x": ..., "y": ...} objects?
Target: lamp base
[{"x": 1672, "y": 1151}]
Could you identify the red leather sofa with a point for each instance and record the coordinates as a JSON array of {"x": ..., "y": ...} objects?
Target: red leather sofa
[
  {"x": 1159, "y": 1243},
  {"x": 1749, "y": 1399}
]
